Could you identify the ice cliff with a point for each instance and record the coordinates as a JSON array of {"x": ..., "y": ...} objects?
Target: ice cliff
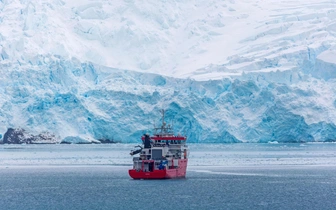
[{"x": 225, "y": 71}]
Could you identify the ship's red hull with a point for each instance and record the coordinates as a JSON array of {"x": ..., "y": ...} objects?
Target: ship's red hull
[{"x": 179, "y": 172}]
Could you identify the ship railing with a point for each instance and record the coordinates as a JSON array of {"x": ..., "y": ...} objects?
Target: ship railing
[
  {"x": 165, "y": 143},
  {"x": 159, "y": 158},
  {"x": 159, "y": 145}
]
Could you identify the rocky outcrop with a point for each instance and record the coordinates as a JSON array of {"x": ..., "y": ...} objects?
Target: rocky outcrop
[
  {"x": 21, "y": 136},
  {"x": 107, "y": 141}
]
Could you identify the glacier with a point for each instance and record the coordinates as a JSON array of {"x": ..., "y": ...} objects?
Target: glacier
[{"x": 225, "y": 71}]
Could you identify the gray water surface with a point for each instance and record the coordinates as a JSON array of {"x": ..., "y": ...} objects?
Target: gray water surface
[{"x": 109, "y": 187}]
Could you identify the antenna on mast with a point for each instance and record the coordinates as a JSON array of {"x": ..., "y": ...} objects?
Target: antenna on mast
[{"x": 163, "y": 115}]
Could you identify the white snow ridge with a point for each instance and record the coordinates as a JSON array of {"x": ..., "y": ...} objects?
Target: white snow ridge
[{"x": 226, "y": 71}]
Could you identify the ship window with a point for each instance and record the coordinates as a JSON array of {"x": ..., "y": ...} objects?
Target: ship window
[{"x": 156, "y": 154}]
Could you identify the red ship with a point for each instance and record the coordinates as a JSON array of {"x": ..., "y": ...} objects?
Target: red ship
[{"x": 162, "y": 155}]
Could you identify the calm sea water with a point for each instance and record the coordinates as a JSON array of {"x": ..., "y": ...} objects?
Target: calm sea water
[{"x": 109, "y": 187}]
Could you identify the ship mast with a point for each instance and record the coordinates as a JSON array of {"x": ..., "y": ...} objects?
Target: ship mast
[
  {"x": 163, "y": 113},
  {"x": 163, "y": 130}
]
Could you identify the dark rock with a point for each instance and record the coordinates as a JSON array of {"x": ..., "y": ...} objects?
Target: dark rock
[
  {"x": 21, "y": 136},
  {"x": 330, "y": 140},
  {"x": 107, "y": 141},
  {"x": 16, "y": 136},
  {"x": 44, "y": 138}
]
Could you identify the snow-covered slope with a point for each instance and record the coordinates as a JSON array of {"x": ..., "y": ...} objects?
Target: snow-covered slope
[{"x": 226, "y": 71}]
